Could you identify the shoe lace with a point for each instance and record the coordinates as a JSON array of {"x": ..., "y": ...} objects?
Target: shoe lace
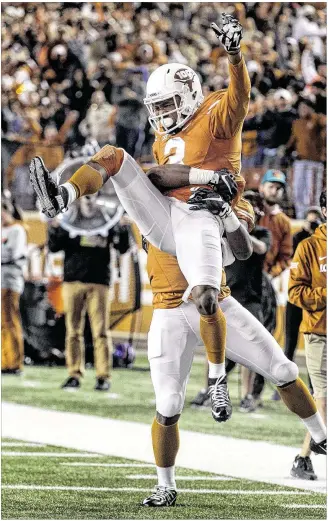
[
  {"x": 219, "y": 394},
  {"x": 162, "y": 493}
]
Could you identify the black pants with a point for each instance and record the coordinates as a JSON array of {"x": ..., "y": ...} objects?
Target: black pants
[
  {"x": 256, "y": 309},
  {"x": 293, "y": 322},
  {"x": 127, "y": 138}
]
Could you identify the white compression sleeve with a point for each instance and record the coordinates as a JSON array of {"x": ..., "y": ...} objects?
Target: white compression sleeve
[{"x": 198, "y": 176}]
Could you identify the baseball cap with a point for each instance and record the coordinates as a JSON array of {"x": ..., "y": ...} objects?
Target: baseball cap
[{"x": 274, "y": 176}]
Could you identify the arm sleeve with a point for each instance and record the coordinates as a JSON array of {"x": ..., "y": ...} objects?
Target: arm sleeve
[
  {"x": 285, "y": 252},
  {"x": 58, "y": 239},
  {"x": 230, "y": 111},
  {"x": 300, "y": 291}
]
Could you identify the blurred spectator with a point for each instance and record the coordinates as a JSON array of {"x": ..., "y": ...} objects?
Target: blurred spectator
[
  {"x": 308, "y": 290},
  {"x": 13, "y": 258},
  {"x": 55, "y": 55},
  {"x": 244, "y": 278},
  {"x": 307, "y": 24},
  {"x": 99, "y": 122},
  {"x": 280, "y": 253},
  {"x": 308, "y": 140},
  {"x": 86, "y": 290}
]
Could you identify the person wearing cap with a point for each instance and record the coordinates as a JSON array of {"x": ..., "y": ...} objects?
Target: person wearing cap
[
  {"x": 13, "y": 258},
  {"x": 279, "y": 255},
  {"x": 308, "y": 290},
  {"x": 308, "y": 140}
]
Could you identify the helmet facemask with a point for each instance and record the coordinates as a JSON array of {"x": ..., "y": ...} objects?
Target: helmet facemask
[{"x": 180, "y": 110}]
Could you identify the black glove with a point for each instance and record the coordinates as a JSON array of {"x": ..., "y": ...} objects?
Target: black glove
[
  {"x": 205, "y": 199},
  {"x": 230, "y": 33},
  {"x": 223, "y": 182},
  {"x": 53, "y": 199}
]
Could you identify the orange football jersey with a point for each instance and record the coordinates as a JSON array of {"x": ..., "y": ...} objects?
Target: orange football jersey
[
  {"x": 168, "y": 283},
  {"x": 212, "y": 138}
]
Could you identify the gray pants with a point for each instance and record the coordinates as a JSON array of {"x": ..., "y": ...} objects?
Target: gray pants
[{"x": 307, "y": 185}]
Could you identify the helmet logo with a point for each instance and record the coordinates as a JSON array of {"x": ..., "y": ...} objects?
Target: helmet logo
[{"x": 185, "y": 76}]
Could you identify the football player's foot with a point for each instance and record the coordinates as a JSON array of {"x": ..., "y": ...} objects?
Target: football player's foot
[
  {"x": 247, "y": 404},
  {"x": 15, "y": 372},
  {"x": 220, "y": 399},
  {"x": 319, "y": 448},
  {"x": 275, "y": 396},
  {"x": 102, "y": 384},
  {"x": 201, "y": 399},
  {"x": 71, "y": 383},
  {"x": 53, "y": 199},
  {"x": 110, "y": 158},
  {"x": 161, "y": 497},
  {"x": 303, "y": 469}
]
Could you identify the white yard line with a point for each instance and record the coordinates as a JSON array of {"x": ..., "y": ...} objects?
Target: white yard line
[
  {"x": 247, "y": 459},
  {"x": 182, "y": 490},
  {"x": 50, "y": 454},
  {"x": 181, "y": 478},
  {"x": 304, "y": 506},
  {"x": 21, "y": 444},
  {"x": 118, "y": 465}
]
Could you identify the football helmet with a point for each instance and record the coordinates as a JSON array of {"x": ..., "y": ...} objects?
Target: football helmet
[{"x": 176, "y": 83}]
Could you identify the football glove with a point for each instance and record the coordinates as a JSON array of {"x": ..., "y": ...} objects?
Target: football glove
[
  {"x": 223, "y": 183},
  {"x": 230, "y": 33},
  {"x": 53, "y": 199},
  {"x": 205, "y": 199}
]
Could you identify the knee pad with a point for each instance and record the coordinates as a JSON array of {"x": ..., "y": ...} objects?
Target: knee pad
[
  {"x": 207, "y": 302},
  {"x": 285, "y": 373},
  {"x": 170, "y": 404}
]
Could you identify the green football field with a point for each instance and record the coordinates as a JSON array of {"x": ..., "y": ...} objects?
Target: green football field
[
  {"x": 66, "y": 484},
  {"x": 132, "y": 398}
]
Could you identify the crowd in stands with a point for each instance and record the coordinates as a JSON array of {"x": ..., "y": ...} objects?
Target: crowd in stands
[{"x": 73, "y": 71}]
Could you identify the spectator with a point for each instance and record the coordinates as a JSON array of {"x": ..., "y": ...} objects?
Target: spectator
[
  {"x": 308, "y": 290},
  {"x": 245, "y": 281},
  {"x": 307, "y": 25},
  {"x": 308, "y": 139},
  {"x": 100, "y": 119},
  {"x": 13, "y": 257},
  {"x": 280, "y": 253},
  {"x": 86, "y": 289}
]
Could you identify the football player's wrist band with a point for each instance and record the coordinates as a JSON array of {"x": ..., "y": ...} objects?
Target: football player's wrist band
[
  {"x": 231, "y": 223},
  {"x": 199, "y": 176}
]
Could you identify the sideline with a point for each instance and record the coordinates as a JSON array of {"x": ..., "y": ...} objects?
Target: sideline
[{"x": 246, "y": 459}]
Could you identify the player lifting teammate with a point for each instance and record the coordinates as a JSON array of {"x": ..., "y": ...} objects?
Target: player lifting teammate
[{"x": 204, "y": 134}]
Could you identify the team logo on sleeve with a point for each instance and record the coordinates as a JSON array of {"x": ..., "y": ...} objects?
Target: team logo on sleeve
[{"x": 185, "y": 76}]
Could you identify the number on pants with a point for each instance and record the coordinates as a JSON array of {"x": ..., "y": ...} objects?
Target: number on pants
[{"x": 177, "y": 146}]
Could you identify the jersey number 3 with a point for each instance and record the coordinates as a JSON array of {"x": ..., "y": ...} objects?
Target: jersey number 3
[{"x": 175, "y": 150}]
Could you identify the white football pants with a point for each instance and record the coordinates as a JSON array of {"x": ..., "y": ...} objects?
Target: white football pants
[
  {"x": 175, "y": 333},
  {"x": 193, "y": 237}
]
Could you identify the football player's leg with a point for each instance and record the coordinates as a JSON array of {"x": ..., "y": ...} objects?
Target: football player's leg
[
  {"x": 74, "y": 298},
  {"x": 250, "y": 344},
  {"x": 171, "y": 344},
  {"x": 143, "y": 202},
  {"x": 198, "y": 245}
]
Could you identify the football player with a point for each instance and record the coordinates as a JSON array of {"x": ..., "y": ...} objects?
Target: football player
[
  {"x": 173, "y": 337},
  {"x": 202, "y": 133}
]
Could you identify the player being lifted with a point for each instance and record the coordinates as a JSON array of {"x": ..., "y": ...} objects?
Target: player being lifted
[{"x": 204, "y": 134}]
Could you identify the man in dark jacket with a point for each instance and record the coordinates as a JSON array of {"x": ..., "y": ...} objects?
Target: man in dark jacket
[
  {"x": 245, "y": 281},
  {"x": 86, "y": 289}
]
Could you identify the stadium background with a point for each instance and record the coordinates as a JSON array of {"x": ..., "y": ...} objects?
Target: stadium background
[{"x": 57, "y": 57}]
